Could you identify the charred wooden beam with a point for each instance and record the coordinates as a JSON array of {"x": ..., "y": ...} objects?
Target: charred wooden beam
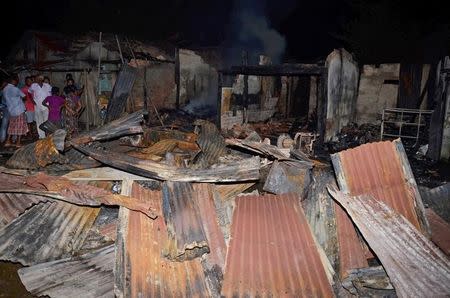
[
  {"x": 276, "y": 70},
  {"x": 128, "y": 125},
  {"x": 245, "y": 170}
]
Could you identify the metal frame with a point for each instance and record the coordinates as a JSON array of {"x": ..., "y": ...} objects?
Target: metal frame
[{"x": 402, "y": 122}]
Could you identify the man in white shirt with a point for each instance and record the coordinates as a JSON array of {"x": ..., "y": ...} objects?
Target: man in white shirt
[{"x": 40, "y": 91}]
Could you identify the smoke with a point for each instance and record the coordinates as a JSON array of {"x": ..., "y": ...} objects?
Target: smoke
[{"x": 252, "y": 31}]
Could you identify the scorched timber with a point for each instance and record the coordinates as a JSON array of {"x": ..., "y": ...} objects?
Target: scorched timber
[{"x": 244, "y": 170}]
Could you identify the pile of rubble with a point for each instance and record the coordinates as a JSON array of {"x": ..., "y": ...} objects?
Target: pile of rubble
[
  {"x": 133, "y": 211},
  {"x": 353, "y": 135}
]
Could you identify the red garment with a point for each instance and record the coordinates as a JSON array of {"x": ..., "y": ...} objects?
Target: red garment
[{"x": 29, "y": 105}]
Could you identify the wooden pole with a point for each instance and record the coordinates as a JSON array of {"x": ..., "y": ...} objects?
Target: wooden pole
[
  {"x": 120, "y": 50},
  {"x": 177, "y": 77},
  {"x": 99, "y": 61},
  {"x": 88, "y": 110}
]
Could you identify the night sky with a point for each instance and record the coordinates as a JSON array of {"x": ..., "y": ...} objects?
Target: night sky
[{"x": 375, "y": 31}]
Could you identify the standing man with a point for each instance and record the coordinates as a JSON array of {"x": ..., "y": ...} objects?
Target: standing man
[
  {"x": 5, "y": 114},
  {"x": 16, "y": 108},
  {"x": 29, "y": 104},
  {"x": 40, "y": 91}
]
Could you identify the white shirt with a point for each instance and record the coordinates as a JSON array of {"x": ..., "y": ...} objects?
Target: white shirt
[
  {"x": 40, "y": 93},
  {"x": 13, "y": 97}
]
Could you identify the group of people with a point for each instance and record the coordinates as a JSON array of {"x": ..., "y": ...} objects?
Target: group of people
[{"x": 37, "y": 102}]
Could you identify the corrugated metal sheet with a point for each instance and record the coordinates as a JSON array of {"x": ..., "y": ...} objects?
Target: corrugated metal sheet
[
  {"x": 46, "y": 232},
  {"x": 89, "y": 275},
  {"x": 440, "y": 231},
  {"x": 14, "y": 204},
  {"x": 376, "y": 169},
  {"x": 141, "y": 271},
  {"x": 438, "y": 199},
  {"x": 416, "y": 267},
  {"x": 187, "y": 239},
  {"x": 214, "y": 261},
  {"x": 351, "y": 251},
  {"x": 211, "y": 143},
  {"x": 272, "y": 251},
  {"x": 122, "y": 89},
  {"x": 77, "y": 161},
  {"x": 243, "y": 170}
]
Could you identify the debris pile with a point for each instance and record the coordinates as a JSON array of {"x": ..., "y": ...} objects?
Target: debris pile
[
  {"x": 353, "y": 135},
  {"x": 133, "y": 211}
]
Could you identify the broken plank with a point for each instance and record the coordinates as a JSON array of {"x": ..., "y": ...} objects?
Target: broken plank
[
  {"x": 102, "y": 174},
  {"x": 244, "y": 170}
]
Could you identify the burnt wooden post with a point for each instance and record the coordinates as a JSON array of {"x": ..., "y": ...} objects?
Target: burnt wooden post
[
  {"x": 219, "y": 100},
  {"x": 177, "y": 77},
  {"x": 322, "y": 102},
  {"x": 245, "y": 92}
]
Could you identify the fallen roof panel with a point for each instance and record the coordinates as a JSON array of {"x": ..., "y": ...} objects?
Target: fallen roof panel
[
  {"x": 416, "y": 267},
  {"x": 380, "y": 170},
  {"x": 89, "y": 275},
  {"x": 14, "y": 204},
  {"x": 46, "y": 232},
  {"x": 438, "y": 199},
  {"x": 211, "y": 142},
  {"x": 272, "y": 251},
  {"x": 187, "y": 239},
  {"x": 141, "y": 271}
]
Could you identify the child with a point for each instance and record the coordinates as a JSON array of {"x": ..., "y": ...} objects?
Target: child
[{"x": 54, "y": 103}]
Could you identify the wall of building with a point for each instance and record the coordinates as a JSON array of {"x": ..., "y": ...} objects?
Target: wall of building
[
  {"x": 343, "y": 74},
  {"x": 198, "y": 79},
  {"x": 378, "y": 89}
]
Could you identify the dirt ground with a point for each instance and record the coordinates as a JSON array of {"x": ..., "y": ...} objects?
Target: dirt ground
[{"x": 10, "y": 284}]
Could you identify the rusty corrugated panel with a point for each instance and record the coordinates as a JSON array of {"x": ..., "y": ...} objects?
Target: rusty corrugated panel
[
  {"x": 187, "y": 239},
  {"x": 272, "y": 251},
  {"x": 214, "y": 261},
  {"x": 243, "y": 170},
  {"x": 230, "y": 191},
  {"x": 416, "y": 267},
  {"x": 260, "y": 148},
  {"x": 89, "y": 275},
  {"x": 440, "y": 231},
  {"x": 141, "y": 271},
  {"x": 351, "y": 250},
  {"x": 438, "y": 199},
  {"x": 122, "y": 88},
  {"x": 376, "y": 169},
  {"x": 211, "y": 143},
  {"x": 76, "y": 161},
  {"x": 14, "y": 204},
  {"x": 103, "y": 232},
  {"x": 46, "y": 232}
]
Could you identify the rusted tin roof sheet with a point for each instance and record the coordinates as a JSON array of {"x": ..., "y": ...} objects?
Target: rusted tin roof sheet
[
  {"x": 14, "y": 204},
  {"x": 272, "y": 252},
  {"x": 214, "y": 261},
  {"x": 122, "y": 89},
  {"x": 211, "y": 143},
  {"x": 416, "y": 267},
  {"x": 380, "y": 169},
  {"x": 141, "y": 271},
  {"x": 187, "y": 239},
  {"x": 46, "y": 232},
  {"x": 440, "y": 231},
  {"x": 89, "y": 275}
]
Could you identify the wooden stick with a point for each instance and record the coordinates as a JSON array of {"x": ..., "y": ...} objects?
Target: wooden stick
[
  {"x": 99, "y": 61},
  {"x": 120, "y": 49}
]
